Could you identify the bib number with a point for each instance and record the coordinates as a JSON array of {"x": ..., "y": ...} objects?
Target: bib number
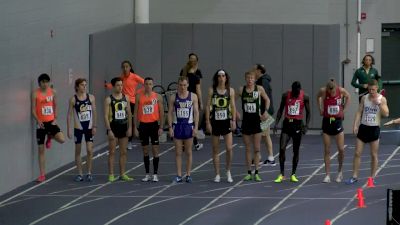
[
  {"x": 182, "y": 113},
  {"x": 84, "y": 116},
  {"x": 333, "y": 110},
  {"x": 294, "y": 110},
  {"x": 221, "y": 114},
  {"x": 47, "y": 110},
  {"x": 370, "y": 118},
  {"x": 250, "y": 107},
  {"x": 148, "y": 109},
  {"x": 120, "y": 114}
]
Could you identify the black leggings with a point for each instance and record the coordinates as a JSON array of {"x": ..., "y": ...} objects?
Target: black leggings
[{"x": 284, "y": 140}]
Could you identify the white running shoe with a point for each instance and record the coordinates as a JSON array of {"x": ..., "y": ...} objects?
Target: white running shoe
[
  {"x": 327, "y": 179},
  {"x": 129, "y": 147},
  {"x": 155, "y": 178},
  {"x": 339, "y": 177},
  {"x": 217, "y": 178},
  {"x": 229, "y": 176},
  {"x": 198, "y": 146},
  {"x": 146, "y": 178}
]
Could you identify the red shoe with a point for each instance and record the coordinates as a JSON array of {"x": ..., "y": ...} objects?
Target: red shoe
[
  {"x": 41, "y": 178},
  {"x": 48, "y": 142}
]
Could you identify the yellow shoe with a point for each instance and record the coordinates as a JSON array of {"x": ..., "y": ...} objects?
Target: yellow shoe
[
  {"x": 279, "y": 179},
  {"x": 111, "y": 178},
  {"x": 293, "y": 178},
  {"x": 125, "y": 178}
]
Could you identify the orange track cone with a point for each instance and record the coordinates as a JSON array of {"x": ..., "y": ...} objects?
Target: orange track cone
[
  {"x": 327, "y": 222},
  {"x": 370, "y": 182},
  {"x": 361, "y": 203},
  {"x": 360, "y": 193}
]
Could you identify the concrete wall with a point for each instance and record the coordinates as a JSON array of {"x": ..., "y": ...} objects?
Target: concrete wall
[{"x": 28, "y": 49}]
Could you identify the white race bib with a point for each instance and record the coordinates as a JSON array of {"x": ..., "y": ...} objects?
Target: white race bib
[
  {"x": 250, "y": 107},
  {"x": 120, "y": 114},
  {"x": 370, "y": 118},
  {"x": 148, "y": 109},
  {"x": 333, "y": 110},
  {"x": 47, "y": 110},
  {"x": 221, "y": 114},
  {"x": 294, "y": 110},
  {"x": 182, "y": 113},
  {"x": 84, "y": 116}
]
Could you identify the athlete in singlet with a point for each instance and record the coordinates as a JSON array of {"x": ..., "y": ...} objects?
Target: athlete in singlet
[
  {"x": 293, "y": 103},
  {"x": 183, "y": 118},
  {"x": 82, "y": 108},
  {"x": 149, "y": 113},
  {"x": 251, "y": 96},
  {"x": 366, "y": 126},
  {"x": 117, "y": 117},
  {"x": 44, "y": 110},
  {"x": 220, "y": 120},
  {"x": 332, "y": 102}
]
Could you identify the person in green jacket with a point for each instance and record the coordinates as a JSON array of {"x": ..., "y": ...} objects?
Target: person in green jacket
[{"x": 364, "y": 74}]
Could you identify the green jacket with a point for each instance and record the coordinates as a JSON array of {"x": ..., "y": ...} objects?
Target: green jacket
[{"x": 363, "y": 78}]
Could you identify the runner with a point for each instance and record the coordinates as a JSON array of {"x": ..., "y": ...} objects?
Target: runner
[
  {"x": 44, "y": 110},
  {"x": 117, "y": 117},
  {"x": 220, "y": 120},
  {"x": 82, "y": 107},
  {"x": 366, "y": 126},
  {"x": 293, "y": 102},
  {"x": 331, "y": 107},
  {"x": 251, "y": 95},
  {"x": 150, "y": 118},
  {"x": 183, "y": 117}
]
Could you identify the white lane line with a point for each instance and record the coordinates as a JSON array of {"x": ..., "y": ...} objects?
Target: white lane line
[
  {"x": 344, "y": 210},
  {"x": 140, "y": 204},
  {"x": 54, "y": 177},
  {"x": 294, "y": 191},
  {"x": 105, "y": 184}
]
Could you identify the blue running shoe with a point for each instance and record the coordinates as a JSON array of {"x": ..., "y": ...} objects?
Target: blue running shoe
[
  {"x": 89, "y": 177},
  {"x": 178, "y": 179},
  {"x": 351, "y": 180},
  {"x": 78, "y": 178},
  {"x": 188, "y": 179}
]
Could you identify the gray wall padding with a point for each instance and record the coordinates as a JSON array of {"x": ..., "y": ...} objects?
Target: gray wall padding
[{"x": 308, "y": 53}]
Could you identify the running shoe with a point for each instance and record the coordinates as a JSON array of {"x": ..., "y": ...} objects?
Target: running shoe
[
  {"x": 279, "y": 179},
  {"x": 339, "y": 177},
  {"x": 270, "y": 162},
  {"x": 41, "y": 178},
  {"x": 229, "y": 176},
  {"x": 78, "y": 178},
  {"x": 178, "y": 179},
  {"x": 125, "y": 178},
  {"x": 198, "y": 146},
  {"x": 351, "y": 180},
  {"x": 89, "y": 177},
  {"x": 293, "y": 178},
  {"x": 155, "y": 178},
  {"x": 257, "y": 177},
  {"x": 111, "y": 178},
  {"x": 327, "y": 179},
  {"x": 248, "y": 177},
  {"x": 146, "y": 178},
  {"x": 217, "y": 178},
  {"x": 188, "y": 179},
  {"x": 129, "y": 147},
  {"x": 48, "y": 142}
]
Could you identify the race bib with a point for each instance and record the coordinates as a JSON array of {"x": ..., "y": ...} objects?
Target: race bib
[
  {"x": 47, "y": 110},
  {"x": 182, "y": 113},
  {"x": 370, "y": 118},
  {"x": 294, "y": 110},
  {"x": 84, "y": 116},
  {"x": 333, "y": 109},
  {"x": 221, "y": 114},
  {"x": 148, "y": 109},
  {"x": 250, "y": 107},
  {"x": 120, "y": 114}
]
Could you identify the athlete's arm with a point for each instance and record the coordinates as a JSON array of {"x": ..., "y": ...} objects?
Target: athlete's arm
[
  {"x": 320, "y": 100},
  {"x": 94, "y": 112},
  {"x": 170, "y": 111},
  {"x": 34, "y": 109},
  {"x": 196, "y": 114},
  {"x": 55, "y": 106},
  {"x": 346, "y": 96},
  {"x": 160, "y": 103},
  {"x": 266, "y": 100},
  {"x": 207, "y": 110},
  {"x": 129, "y": 111},
  {"x": 199, "y": 94},
  {"x": 139, "y": 79},
  {"x": 107, "y": 112},
  {"x": 70, "y": 116},
  {"x": 135, "y": 111},
  {"x": 308, "y": 110},
  {"x": 357, "y": 118},
  {"x": 281, "y": 108},
  {"x": 395, "y": 121},
  {"x": 384, "y": 107},
  {"x": 233, "y": 108}
]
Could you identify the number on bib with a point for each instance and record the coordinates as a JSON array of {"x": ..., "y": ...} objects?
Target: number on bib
[
  {"x": 148, "y": 109},
  {"x": 47, "y": 110},
  {"x": 84, "y": 116},
  {"x": 294, "y": 110},
  {"x": 250, "y": 107},
  {"x": 333, "y": 109},
  {"x": 182, "y": 113},
  {"x": 370, "y": 118},
  {"x": 221, "y": 114},
  {"x": 120, "y": 114}
]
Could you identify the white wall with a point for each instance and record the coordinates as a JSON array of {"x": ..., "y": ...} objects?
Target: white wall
[{"x": 26, "y": 50}]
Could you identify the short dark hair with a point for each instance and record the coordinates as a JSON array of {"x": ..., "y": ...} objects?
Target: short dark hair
[
  {"x": 115, "y": 80},
  {"x": 368, "y": 55},
  {"x": 193, "y": 54},
  {"x": 78, "y": 82},
  {"x": 148, "y": 78},
  {"x": 43, "y": 77},
  {"x": 261, "y": 67}
]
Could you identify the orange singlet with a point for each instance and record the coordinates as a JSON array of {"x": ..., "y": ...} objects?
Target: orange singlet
[
  {"x": 148, "y": 111},
  {"x": 45, "y": 105}
]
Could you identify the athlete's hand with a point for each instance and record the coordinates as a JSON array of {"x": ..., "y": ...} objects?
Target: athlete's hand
[
  {"x": 208, "y": 127},
  {"x": 233, "y": 125},
  {"x": 69, "y": 134},
  {"x": 194, "y": 133},
  {"x": 136, "y": 132},
  {"x": 94, "y": 130},
  {"x": 171, "y": 132},
  {"x": 275, "y": 129},
  {"x": 54, "y": 122},
  {"x": 365, "y": 85},
  {"x": 110, "y": 134},
  {"x": 41, "y": 125},
  {"x": 129, "y": 132},
  {"x": 355, "y": 130},
  {"x": 321, "y": 112},
  {"x": 304, "y": 129},
  {"x": 160, "y": 131},
  {"x": 264, "y": 117},
  {"x": 388, "y": 123}
]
